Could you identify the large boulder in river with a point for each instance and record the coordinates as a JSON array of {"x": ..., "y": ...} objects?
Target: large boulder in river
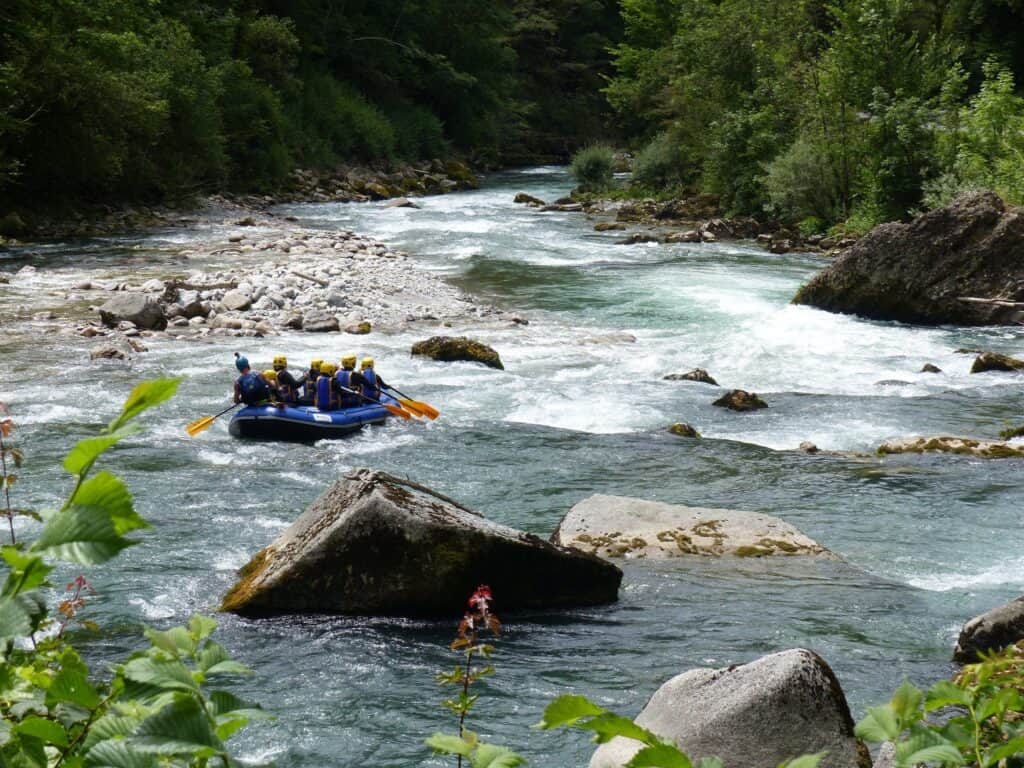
[
  {"x": 374, "y": 544},
  {"x": 318, "y": 321},
  {"x": 918, "y": 272},
  {"x": 450, "y": 349},
  {"x": 993, "y": 361},
  {"x": 992, "y": 631},
  {"x": 740, "y": 400},
  {"x": 136, "y": 308},
  {"x": 754, "y": 715},
  {"x": 619, "y": 526}
]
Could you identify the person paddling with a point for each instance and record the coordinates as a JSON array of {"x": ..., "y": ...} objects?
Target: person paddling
[
  {"x": 349, "y": 378},
  {"x": 373, "y": 384},
  {"x": 309, "y": 382},
  {"x": 287, "y": 385},
  {"x": 328, "y": 396},
  {"x": 250, "y": 387}
]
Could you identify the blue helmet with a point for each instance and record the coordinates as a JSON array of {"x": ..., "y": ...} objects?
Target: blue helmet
[{"x": 241, "y": 363}]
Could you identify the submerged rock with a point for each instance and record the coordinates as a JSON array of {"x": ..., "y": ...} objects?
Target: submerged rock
[
  {"x": 682, "y": 429},
  {"x": 609, "y": 226},
  {"x": 697, "y": 374},
  {"x": 136, "y": 308},
  {"x": 457, "y": 348},
  {"x": 918, "y": 272},
  {"x": 378, "y": 545},
  {"x": 991, "y": 631},
  {"x": 740, "y": 400},
  {"x": 400, "y": 202},
  {"x": 989, "y": 449},
  {"x": 523, "y": 197},
  {"x": 619, "y": 526},
  {"x": 929, "y": 368},
  {"x": 993, "y": 361},
  {"x": 754, "y": 715}
]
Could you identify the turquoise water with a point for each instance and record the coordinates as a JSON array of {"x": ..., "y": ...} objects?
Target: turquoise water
[{"x": 926, "y": 542}]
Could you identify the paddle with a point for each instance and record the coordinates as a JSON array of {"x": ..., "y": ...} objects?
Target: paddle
[
  {"x": 392, "y": 408},
  {"x": 416, "y": 406},
  {"x": 201, "y": 425}
]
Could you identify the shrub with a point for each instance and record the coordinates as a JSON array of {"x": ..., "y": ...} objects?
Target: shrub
[
  {"x": 592, "y": 167},
  {"x": 660, "y": 164},
  {"x": 418, "y": 132},
  {"x": 254, "y": 129},
  {"x": 800, "y": 183},
  {"x": 812, "y": 225}
]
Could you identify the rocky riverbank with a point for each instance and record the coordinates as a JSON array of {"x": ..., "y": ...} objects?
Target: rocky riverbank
[{"x": 696, "y": 219}]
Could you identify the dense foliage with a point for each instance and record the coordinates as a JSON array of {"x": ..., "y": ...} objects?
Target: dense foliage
[
  {"x": 859, "y": 110},
  {"x": 163, "y": 706},
  {"x": 132, "y": 99}
]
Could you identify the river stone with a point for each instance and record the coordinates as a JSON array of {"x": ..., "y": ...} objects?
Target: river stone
[
  {"x": 236, "y": 301},
  {"x": 754, "y": 715},
  {"x": 697, "y": 374},
  {"x": 374, "y": 544},
  {"x": 930, "y": 368},
  {"x": 918, "y": 272},
  {"x": 993, "y": 361},
  {"x": 740, "y": 400},
  {"x": 620, "y": 526},
  {"x": 682, "y": 429},
  {"x": 457, "y": 348},
  {"x": 316, "y": 321},
  {"x": 991, "y": 631},
  {"x": 136, "y": 308},
  {"x": 359, "y": 329},
  {"x": 400, "y": 202},
  {"x": 526, "y": 199},
  {"x": 113, "y": 348},
  {"x": 968, "y": 446},
  {"x": 153, "y": 286}
]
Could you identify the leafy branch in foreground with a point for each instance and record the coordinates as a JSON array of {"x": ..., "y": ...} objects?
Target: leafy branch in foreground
[
  {"x": 466, "y": 744},
  {"x": 986, "y": 728},
  {"x": 162, "y": 706}
]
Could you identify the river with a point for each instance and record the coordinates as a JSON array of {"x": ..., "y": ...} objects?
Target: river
[{"x": 927, "y": 542}]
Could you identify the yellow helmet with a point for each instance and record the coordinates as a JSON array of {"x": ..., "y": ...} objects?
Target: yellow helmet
[
  {"x": 348, "y": 361},
  {"x": 280, "y": 361},
  {"x": 328, "y": 369},
  {"x": 367, "y": 362},
  {"x": 270, "y": 376},
  {"x": 315, "y": 364}
]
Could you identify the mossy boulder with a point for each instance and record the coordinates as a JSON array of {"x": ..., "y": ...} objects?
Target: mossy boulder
[
  {"x": 697, "y": 374},
  {"x": 994, "y": 361},
  {"x": 450, "y": 349},
  {"x": 966, "y": 446},
  {"x": 619, "y": 526},
  {"x": 756, "y": 715},
  {"x": 374, "y": 544},
  {"x": 526, "y": 199},
  {"x": 740, "y": 400},
  {"x": 359, "y": 329}
]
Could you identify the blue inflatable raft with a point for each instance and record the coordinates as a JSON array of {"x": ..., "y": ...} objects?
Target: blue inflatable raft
[{"x": 304, "y": 423}]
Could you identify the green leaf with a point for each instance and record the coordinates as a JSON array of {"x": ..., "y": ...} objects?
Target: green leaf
[
  {"x": 944, "y": 693},
  {"x": 71, "y": 684},
  {"x": 81, "y": 458},
  {"x": 27, "y": 571},
  {"x": 90, "y": 530},
  {"x": 224, "y": 702},
  {"x": 1004, "y": 750},
  {"x": 906, "y": 702},
  {"x": 493, "y": 756},
  {"x": 118, "y": 754},
  {"x": 228, "y": 726},
  {"x": 566, "y": 710},
  {"x": 229, "y": 667},
  {"x": 20, "y": 615},
  {"x": 710, "y": 762},
  {"x": 659, "y": 756},
  {"x": 48, "y": 731},
  {"x": 606, "y": 727},
  {"x": 449, "y": 745},
  {"x": 109, "y": 727},
  {"x": 807, "y": 761},
  {"x": 146, "y": 395},
  {"x": 878, "y": 725},
  {"x": 212, "y": 655},
  {"x": 182, "y": 727},
  {"x": 175, "y": 641},
  {"x": 946, "y": 754},
  {"x": 1006, "y": 700},
  {"x": 201, "y": 627},
  {"x": 170, "y": 675}
]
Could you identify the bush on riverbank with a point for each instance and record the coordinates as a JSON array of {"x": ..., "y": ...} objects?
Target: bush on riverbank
[{"x": 593, "y": 168}]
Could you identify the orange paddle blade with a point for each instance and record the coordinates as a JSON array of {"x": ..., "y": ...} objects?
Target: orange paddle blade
[
  {"x": 199, "y": 425},
  {"x": 427, "y": 410},
  {"x": 397, "y": 411}
]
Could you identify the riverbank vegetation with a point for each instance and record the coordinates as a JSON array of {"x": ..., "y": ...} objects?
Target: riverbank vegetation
[{"x": 859, "y": 112}]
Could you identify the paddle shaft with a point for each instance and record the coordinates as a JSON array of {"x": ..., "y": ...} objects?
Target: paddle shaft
[
  {"x": 369, "y": 399},
  {"x": 229, "y": 408}
]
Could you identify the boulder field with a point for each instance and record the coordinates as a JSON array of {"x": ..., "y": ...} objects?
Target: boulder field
[
  {"x": 618, "y": 526},
  {"x": 962, "y": 265},
  {"x": 374, "y": 544},
  {"x": 967, "y": 446},
  {"x": 754, "y": 715}
]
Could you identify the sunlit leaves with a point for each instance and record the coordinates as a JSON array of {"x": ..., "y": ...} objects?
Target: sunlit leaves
[{"x": 144, "y": 396}]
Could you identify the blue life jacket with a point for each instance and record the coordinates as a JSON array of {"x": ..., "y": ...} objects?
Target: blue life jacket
[
  {"x": 253, "y": 388},
  {"x": 309, "y": 385},
  {"x": 372, "y": 388},
  {"x": 344, "y": 379},
  {"x": 326, "y": 397},
  {"x": 286, "y": 392}
]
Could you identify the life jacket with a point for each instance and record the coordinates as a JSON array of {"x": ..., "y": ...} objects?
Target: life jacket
[
  {"x": 344, "y": 379},
  {"x": 253, "y": 388},
  {"x": 286, "y": 392},
  {"x": 372, "y": 388},
  {"x": 309, "y": 385},
  {"x": 326, "y": 397}
]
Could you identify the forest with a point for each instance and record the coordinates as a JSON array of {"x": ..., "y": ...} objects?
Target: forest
[{"x": 858, "y": 111}]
